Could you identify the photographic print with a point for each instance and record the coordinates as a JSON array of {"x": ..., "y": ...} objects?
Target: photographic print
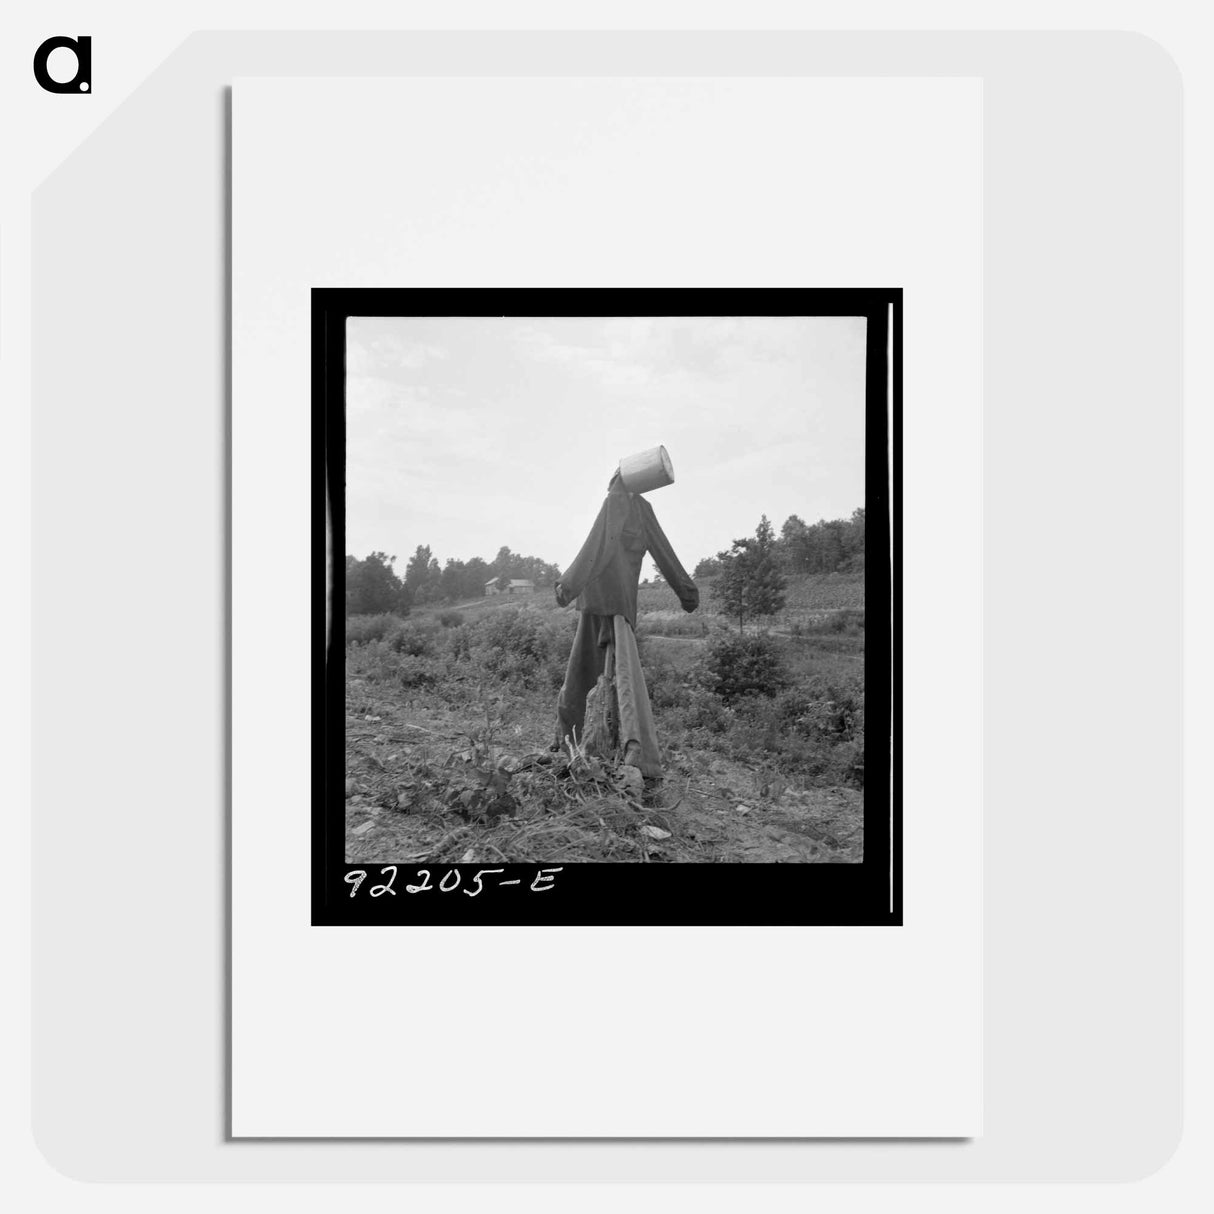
[
  {"x": 607, "y": 625},
  {"x": 441, "y": 362}
]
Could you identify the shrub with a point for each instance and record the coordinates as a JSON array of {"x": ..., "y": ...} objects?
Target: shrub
[
  {"x": 420, "y": 671},
  {"x": 667, "y": 687},
  {"x": 459, "y": 643},
  {"x": 815, "y": 731},
  {"x": 413, "y": 638},
  {"x": 794, "y": 709},
  {"x": 848, "y": 620},
  {"x": 530, "y": 648},
  {"x": 450, "y": 619},
  {"x": 835, "y": 709},
  {"x": 373, "y": 660},
  {"x": 363, "y": 628},
  {"x": 739, "y": 666},
  {"x": 705, "y": 711}
]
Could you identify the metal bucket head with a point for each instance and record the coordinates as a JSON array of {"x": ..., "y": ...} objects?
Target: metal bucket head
[{"x": 646, "y": 470}]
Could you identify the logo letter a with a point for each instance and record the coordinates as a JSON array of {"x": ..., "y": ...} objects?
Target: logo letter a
[{"x": 82, "y": 48}]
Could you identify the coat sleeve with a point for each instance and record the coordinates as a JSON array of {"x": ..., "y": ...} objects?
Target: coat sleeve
[
  {"x": 677, "y": 578},
  {"x": 595, "y": 552}
]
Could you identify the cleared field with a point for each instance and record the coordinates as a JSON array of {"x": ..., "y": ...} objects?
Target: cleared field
[
  {"x": 813, "y": 592},
  {"x": 451, "y": 713}
]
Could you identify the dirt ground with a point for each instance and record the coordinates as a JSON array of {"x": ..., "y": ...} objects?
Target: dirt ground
[{"x": 406, "y": 753}]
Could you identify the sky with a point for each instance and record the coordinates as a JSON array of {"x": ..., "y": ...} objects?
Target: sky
[{"x": 469, "y": 433}]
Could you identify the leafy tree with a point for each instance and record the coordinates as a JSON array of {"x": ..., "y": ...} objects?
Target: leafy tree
[
  {"x": 730, "y": 588},
  {"x": 504, "y": 564},
  {"x": 476, "y": 574},
  {"x": 709, "y": 567},
  {"x": 372, "y": 586},
  {"x": 423, "y": 577},
  {"x": 795, "y": 544},
  {"x": 541, "y": 572},
  {"x": 853, "y": 541},
  {"x": 824, "y": 547},
  {"x": 454, "y": 580},
  {"x": 830, "y": 544}
]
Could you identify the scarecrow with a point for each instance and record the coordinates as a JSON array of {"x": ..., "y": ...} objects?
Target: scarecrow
[{"x": 604, "y": 664}]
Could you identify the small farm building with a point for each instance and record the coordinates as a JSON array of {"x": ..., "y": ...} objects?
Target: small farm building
[{"x": 516, "y": 586}]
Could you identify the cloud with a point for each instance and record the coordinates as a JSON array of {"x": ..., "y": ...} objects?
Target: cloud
[
  {"x": 608, "y": 363},
  {"x": 370, "y": 353},
  {"x": 650, "y": 353},
  {"x": 404, "y": 438}
]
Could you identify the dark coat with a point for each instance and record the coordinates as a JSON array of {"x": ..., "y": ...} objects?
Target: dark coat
[{"x": 604, "y": 575}]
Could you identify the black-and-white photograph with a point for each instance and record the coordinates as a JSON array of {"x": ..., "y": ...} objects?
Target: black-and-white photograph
[{"x": 601, "y": 591}]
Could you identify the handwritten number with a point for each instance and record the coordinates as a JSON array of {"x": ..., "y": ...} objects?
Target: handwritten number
[
  {"x": 387, "y": 887},
  {"x": 476, "y": 880},
  {"x": 424, "y": 873},
  {"x": 544, "y": 880}
]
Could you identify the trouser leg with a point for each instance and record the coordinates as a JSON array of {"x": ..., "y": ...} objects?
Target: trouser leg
[
  {"x": 586, "y": 660},
  {"x": 636, "y": 714}
]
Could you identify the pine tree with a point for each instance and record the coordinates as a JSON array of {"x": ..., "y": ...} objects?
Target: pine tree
[
  {"x": 751, "y": 583},
  {"x": 769, "y": 591}
]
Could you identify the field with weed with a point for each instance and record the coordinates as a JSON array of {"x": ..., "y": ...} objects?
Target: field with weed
[{"x": 451, "y": 716}]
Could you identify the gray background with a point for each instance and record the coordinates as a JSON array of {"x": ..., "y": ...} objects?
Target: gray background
[{"x": 1082, "y": 616}]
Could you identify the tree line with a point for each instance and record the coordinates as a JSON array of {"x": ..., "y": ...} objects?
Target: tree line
[
  {"x": 827, "y": 546},
  {"x": 373, "y": 587},
  {"x": 749, "y": 579}
]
